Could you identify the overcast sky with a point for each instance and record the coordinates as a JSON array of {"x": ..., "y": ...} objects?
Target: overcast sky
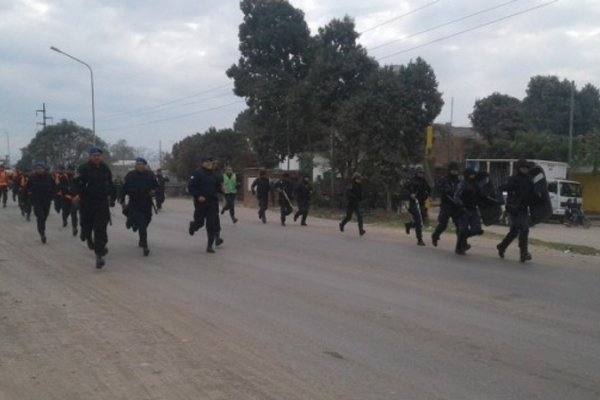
[{"x": 159, "y": 67}]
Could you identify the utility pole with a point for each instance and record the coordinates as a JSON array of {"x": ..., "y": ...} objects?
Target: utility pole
[
  {"x": 7, "y": 150},
  {"x": 160, "y": 154},
  {"x": 44, "y": 118},
  {"x": 571, "y": 117},
  {"x": 451, "y": 111}
]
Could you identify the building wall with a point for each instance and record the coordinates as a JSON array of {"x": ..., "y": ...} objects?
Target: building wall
[{"x": 591, "y": 191}]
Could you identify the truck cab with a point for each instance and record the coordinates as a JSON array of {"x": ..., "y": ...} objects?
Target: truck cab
[{"x": 561, "y": 191}]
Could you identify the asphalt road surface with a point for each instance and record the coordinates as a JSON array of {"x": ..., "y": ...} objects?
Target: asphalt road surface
[{"x": 290, "y": 313}]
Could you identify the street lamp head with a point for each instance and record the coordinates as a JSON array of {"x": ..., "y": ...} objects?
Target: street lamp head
[{"x": 55, "y": 49}]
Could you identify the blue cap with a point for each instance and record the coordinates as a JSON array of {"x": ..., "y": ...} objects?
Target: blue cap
[
  {"x": 39, "y": 165},
  {"x": 95, "y": 150},
  {"x": 141, "y": 160}
]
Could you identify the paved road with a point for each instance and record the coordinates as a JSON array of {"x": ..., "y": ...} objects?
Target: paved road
[{"x": 290, "y": 313}]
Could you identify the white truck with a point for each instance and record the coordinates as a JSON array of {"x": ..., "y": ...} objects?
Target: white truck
[{"x": 560, "y": 188}]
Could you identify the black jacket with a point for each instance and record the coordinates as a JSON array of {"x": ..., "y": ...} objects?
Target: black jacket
[
  {"x": 447, "y": 187},
  {"x": 138, "y": 186},
  {"x": 420, "y": 188},
  {"x": 303, "y": 192},
  {"x": 354, "y": 194},
  {"x": 41, "y": 188},
  {"x": 287, "y": 187},
  {"x": 261, "y": 187},
  {"x": 204, "y": 183},
  {"x": 467, "y": 195},
  {"x": 520, "y": 194},
  {"x": 94, "y": 185}
]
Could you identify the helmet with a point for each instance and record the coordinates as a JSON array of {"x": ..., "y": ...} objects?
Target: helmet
[
  {"x": 522, "y": 163},
  {"x": 356, "y": 176},
  {"x": 469, "y": 172},
  {"x": 453, "y": 166}
]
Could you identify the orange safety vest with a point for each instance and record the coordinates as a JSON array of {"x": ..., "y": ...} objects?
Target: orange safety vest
[
  {"x": 23, "y": 181},
  {"x": 3, "y": 179}
]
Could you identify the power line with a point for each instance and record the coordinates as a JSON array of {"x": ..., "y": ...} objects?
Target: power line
[
  {"x": 468, "y": 30},
  {"x": 168, "y": 102},
  {"x": 166, "y": 107},
  {"x": 399, "y": 17},
  {"x": 175, "y": 116},
  {"x": 444, "y": 24}
]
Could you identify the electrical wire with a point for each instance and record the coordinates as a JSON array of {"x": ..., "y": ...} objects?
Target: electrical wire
[
  {"x": 399, "y": 17},
  {"x": 468, "y": 30}
]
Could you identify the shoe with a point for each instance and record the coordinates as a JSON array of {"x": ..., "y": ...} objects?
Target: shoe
[
  {"x": 296, "y": 217},
  {"x": 362, "y": 232},
  {"x": 235, "y": 220},
  {"x": 146, "y": 251},
  {"x": 103, "y": 252},
  {"x": 191, "y": 228},
  {"x": 43, "y": 237},
  {"x": 467, "y": 247},
  {"x": 222, "y": 211},
  {"x": 303, "y": 223},
  {"x": 219, "y": 241},
  {"x": 141, "y": 244},
  {"x": 90, "y": 244},
  {"x": 134, "y": 227},
  {"x": 28, "y": 218},
  {"x": 65, "y": 223},
  {"x": 341, "y": 227},
  {"x": 460, "y": 252},
  {"x": 434, "y": 240},
  {"x": 75, "y": 231},
  {"x": 420, "y": 243},
  {"x": 407, "y": 228},
  {"x": 209, "y": 249},
  {"x": 282, "y": 223},
  {"x": 525, "y": 257},
  {"x": 99, "y": 262},
  {"x": 501, "y": 251},
  {"x": 264, "y": 219},
  {"x": 128, "y": 223}
]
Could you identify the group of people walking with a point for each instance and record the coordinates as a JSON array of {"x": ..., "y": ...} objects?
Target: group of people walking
[{"x": 85, "y": 196}]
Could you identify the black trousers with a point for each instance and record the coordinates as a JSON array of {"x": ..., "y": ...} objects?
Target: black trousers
[
  {"x": 69, "y": 210},
  {"x": 41, "y": 211},
  {"x": 141, "y": 218},
  {"x": 469, "y": 225},
  {"x": 94, "y": 223},
  {"x": 207, "y": 214},
  {"x": 263, "y": 205},
  {"x": 230, "y": 204},
  {"x": 4, "y": 195},
  {"x": 303, "y": 208},
  {"x": 285, "y": 209},
  {"x": 418, "y": 215},
  {"x": 24, "y": 204},
  {"x": 160, "y": 198},
  {"x": 351, "y": 209},
  {"x": 446, "y": 213},
  {"x": 519, "y": 226}
]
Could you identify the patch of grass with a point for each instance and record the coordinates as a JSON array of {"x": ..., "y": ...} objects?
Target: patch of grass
[{"x": 563, "y": 247}]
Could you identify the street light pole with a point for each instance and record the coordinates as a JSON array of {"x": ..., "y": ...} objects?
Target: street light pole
[{"x": 92, "y": 80}]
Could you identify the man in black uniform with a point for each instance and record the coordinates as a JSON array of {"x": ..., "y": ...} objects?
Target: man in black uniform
[
  {"x": 160, "y": 190},
  {"x": 303, "y": 193},
  {"x": 520, "y": 197},
  {"x": 66, "y": 192},
  {"x": 285, "y": 188},
  {"x": 261, "y": 187},
  {"x": 139, "y": 186},
  {"x": 94, "y": 192},
  {"x": 447, "y": 187},
  {"x": 466, "y": 199},
  {"x": 58, "y": 175},
  {"x": 41, "y": 190},
  {"x": 419, "y": 191},
  {"x": 204, "y": 186},
  {"x": 353, "y": 199}
]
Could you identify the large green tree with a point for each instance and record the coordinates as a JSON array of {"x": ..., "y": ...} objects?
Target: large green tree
[
  {"x": 498, "y": 116},
  {"x": 227, "y": 146},
  {"x": 62, "y": 143},
  {"x": 274, "y": 43}
]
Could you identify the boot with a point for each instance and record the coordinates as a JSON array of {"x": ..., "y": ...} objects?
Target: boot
[
  {"x": 420, "y": 242},
  {"x": 192, "y": 228},
  {"x": 75, "y": 231},
  {"x": 434, "y": 239},
  {"x": 341, "y": 227},
  {"x": 43, "y": 238},
  {"x": 525, "y": 256},
  {"x": 407, "y": 228},
  {"x": 90, "y": 243},
  {"x": 99, "y": 262},
  {"x": 362, "y": 232},
  {"x": 219, "y": 241},
  {"x": 501, "y": 250},
  {"x": 210, "y": 249},
  {"x": 146, "y": 251}
]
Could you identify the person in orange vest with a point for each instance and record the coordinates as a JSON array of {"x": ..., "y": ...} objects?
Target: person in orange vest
[
  {"x": 58, "y": 175},
  {"x": 23, "y": 197},
  {"x": 3, "y": 185},
  {"x": 16, "y": 175}
]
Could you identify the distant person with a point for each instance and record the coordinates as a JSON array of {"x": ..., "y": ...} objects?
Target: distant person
[
  {"x": 520, "y": 195},
  {"x": 261, "y": 187},
  {"x": 285, "y": 188},
  {"x": 447, "y": 187},
  {"x": 4, "y": 182},
  {"x": 15, "y": 183},
  {"x": 160, "y": 191},
  {"x": 66, "y": 191},
  {"x": 95, "y": 193},
  {"x": 23, "y": 198},
  {"x": 419, "y": 191},
  {"x": 303, "y": 194},
  {"x": 354, "y": 195},
  {"x": 230, "y": 188},
  {"x": 41, "y": 189},
  {"x": 58, "y": 175},
  {"x": 139, "y": 186}
]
